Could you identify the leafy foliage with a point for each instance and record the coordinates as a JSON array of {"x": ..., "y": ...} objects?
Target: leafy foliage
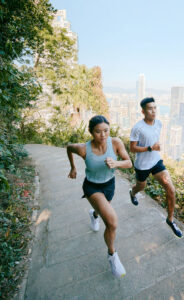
[
  {"x": 17, "y": 89},
  {"x": 15, "y": 213},
  {"x": 59, "y": 134},
  {"x": 67, "y": 87},
  {"x": 10, "y": 152},
  {"x": 69, "y": 83},
  {"x": 21, "y": 22}
]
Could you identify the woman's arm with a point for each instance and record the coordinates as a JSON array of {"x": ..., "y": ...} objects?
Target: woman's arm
[
  {"x": 79, "y": 149},
  {"x": 120, "y": 150}
]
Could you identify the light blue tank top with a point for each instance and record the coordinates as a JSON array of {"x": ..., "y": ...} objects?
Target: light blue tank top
[{"x": 96, "y": 169}]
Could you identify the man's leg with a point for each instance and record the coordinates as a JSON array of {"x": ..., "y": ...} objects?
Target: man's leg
[
  {"x": 164, "y": 179},
  {"x": 139, "y": 186}
]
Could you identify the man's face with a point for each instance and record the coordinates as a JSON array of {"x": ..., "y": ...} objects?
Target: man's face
[{"x": 150, "y": 111}]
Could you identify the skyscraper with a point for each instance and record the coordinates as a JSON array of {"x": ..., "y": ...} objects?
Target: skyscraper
[
  {"x": 60, "y": 21},
  {"x": 175, "y": 142},
  {"x": 177, "y": 119},
  {"x": 177, "y": 97},
  {"x": 140, "y": 88},
  {"x": 181, "y": 121}
]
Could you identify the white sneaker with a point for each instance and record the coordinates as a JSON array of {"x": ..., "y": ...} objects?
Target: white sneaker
[
  {"x": 117, "y": 268},
  {"x": 95, "y": 224}
]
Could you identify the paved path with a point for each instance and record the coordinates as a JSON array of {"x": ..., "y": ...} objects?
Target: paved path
[{"x": 69, "y": 261}]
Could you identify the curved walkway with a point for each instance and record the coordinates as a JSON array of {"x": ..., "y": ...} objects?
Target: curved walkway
[{"x": 69, "y": 261}]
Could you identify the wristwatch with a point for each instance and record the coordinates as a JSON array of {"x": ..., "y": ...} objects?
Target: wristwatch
[{"x": 149, "y": 149}]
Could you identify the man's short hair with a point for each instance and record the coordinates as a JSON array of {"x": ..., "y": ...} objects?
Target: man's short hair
[{"x": 145, "y": 101}]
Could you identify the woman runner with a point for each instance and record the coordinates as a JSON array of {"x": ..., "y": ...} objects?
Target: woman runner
[{"x": 100, "y": 156}]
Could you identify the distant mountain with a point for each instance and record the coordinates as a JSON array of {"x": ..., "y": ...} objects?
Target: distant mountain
[{"x": 119, "y": 90}]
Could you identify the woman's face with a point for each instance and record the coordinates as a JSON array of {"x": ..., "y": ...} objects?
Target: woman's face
[{"x": 101, "y": 132}]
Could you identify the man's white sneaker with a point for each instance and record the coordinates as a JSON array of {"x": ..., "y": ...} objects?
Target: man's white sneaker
[
  {"x": 95, "y": 224},
  {"x": 117, "y": 268}
]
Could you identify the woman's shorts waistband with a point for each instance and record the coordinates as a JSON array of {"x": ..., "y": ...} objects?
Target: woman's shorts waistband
[{"x": 100, "y": 184}]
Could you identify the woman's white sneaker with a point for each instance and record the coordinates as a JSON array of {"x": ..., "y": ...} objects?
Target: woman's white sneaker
[
  {"x": 95, "y": 224},
  {"x": 117, "y": 268}
]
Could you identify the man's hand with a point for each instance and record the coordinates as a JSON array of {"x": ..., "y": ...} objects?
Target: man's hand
[
  {"x": 111, "y": 163},
  {"x": 73, "y": 173},
  {"x": 156, "y": 147}
]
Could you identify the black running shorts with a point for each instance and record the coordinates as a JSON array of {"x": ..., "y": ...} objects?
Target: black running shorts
[
  {"x": 141, "y": 175},
  {"x": 106, "y": 188}
]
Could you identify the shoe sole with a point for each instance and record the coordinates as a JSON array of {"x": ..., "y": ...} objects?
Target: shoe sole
[
  {"x": 119, "y": 276},
  {"x": 95, "y": 230}
]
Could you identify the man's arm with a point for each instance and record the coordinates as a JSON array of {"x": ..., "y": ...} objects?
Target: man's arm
[{"x": 135, "y": 149}]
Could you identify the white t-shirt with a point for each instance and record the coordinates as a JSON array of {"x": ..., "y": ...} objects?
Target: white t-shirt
[{"x": 146, "y": 135}]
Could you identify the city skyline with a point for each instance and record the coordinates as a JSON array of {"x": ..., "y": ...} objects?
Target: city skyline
[
  {"x": 126, "y": 39},
  {"x": 125, "y": 111}
]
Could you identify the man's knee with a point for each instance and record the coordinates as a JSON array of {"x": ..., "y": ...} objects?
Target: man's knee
[
  {"x": 169, "y": 187},
  {"x": 167, "y": 184}
]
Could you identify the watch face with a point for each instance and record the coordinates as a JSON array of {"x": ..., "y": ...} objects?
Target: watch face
[{"x": 149, "y": 149}]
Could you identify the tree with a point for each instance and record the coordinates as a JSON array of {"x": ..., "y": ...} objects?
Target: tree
[
  {"x": 20, "y": 23},
  {"x": 72, "y": 84}
]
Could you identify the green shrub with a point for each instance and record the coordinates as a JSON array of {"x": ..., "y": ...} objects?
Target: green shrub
[{"x": 15, "y": 214}]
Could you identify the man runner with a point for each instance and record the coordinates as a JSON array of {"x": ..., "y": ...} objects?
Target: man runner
[{"x": 144, "y": 141}]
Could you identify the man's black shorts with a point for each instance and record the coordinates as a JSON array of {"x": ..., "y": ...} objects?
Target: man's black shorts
[
  {"x": 106, "y": 188},
  {"x": 141, "y": 175}
]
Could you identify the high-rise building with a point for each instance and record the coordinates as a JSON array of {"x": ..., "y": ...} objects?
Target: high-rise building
[
  {"x": 175, "y": 142},
  {"x": 177, "y": 122},
  {"x": 60, "y": 21},
  {"x": 175, "y": 135},
  {"x": 164, "y": 134},
  {"x": 181, "y": 121},
  {"x": 177, "y": 97},
  {"x": 140, "y": 88},
  {"x": 48, "y": 100}
]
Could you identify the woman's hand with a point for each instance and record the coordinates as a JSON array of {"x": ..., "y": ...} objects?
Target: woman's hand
[
  {"x": 73, "y": 173},
  {"x": 111, "y": 163}
]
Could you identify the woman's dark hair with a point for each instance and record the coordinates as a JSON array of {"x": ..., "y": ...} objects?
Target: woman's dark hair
[{"x": 95, "y": 121}]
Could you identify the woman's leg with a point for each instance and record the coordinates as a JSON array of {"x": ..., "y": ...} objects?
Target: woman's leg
[{"x": 108, "y": 215}]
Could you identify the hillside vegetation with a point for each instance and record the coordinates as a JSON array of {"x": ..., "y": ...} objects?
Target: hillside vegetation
[{"x": 55, "y": 82}]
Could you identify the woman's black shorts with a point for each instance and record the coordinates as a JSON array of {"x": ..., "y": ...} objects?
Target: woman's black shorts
[{"x": 106, "y": 188}]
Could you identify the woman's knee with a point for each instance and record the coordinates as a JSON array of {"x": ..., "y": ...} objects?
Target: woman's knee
[{"x": 112, "y": 223}]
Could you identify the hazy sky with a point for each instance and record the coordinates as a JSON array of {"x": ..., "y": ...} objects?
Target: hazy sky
[{"x": 126, "y": 38}]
